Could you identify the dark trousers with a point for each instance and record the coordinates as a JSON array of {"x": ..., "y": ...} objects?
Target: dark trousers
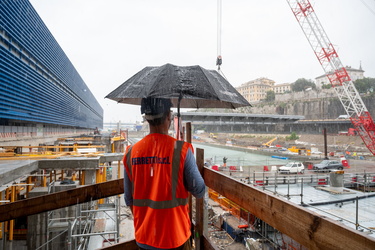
[{"x": 185, "y": 246}]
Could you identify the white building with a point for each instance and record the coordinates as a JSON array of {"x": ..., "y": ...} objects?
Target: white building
[
  {"x": 282, "y": 88},
  {"x": 354, "y": 74}
]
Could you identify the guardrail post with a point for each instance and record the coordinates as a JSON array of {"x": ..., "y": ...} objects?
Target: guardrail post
[
  {"x": 302, "y": 191},
  {"x": 356, "y": 213},
  {"x": 275, "y": 192},
  {"x": 253, "y": 177},
  {"x": 264, "y": 187}
]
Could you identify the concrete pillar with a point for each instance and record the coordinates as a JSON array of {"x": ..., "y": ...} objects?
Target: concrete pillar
[
  {"x": 336, "y": 179},
  {"x": 90, "y": 177}
]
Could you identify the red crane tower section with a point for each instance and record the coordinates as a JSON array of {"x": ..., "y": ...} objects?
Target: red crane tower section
[{"x": 336, "y": 73}]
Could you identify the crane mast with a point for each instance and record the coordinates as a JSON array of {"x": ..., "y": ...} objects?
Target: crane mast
[{"x": 335, "y": 71}]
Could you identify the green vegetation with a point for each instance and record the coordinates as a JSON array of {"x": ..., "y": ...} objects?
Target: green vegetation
[
  {"x": 365, "y": 85},
  {"x": 302, "y": 84},
  {"x": 326, "y": 86},
  {"x": 293, "y": 136},
  {"x": 270, "y": 97}
]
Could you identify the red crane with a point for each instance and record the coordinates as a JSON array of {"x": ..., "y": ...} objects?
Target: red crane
[{"x": 335, "y": 71}]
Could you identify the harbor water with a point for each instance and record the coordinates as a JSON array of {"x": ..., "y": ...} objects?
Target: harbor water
[{"x": 236, "y": 157}]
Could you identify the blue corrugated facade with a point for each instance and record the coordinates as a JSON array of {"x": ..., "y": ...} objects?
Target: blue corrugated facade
[{"x": 38, "y": 83}]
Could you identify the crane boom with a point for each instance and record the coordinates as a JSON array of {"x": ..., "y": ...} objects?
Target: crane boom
[{"x": 335, "y": 71}]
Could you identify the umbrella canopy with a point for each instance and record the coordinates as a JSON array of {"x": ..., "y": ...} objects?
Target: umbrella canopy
[{"x": 186, "y": 86}]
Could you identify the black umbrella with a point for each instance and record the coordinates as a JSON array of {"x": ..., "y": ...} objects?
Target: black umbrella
[{"x": 186, "y": 86}]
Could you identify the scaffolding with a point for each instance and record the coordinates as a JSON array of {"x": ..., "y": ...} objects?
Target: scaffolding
[{"x": 92, "y": 222}]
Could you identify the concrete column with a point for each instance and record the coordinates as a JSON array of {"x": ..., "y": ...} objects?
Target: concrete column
[
  {"x": 90, "y": 177},
  {"x": 336, "y": 179}
]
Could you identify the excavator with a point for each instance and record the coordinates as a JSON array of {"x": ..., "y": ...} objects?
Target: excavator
[{"x": 213, "y": 136}]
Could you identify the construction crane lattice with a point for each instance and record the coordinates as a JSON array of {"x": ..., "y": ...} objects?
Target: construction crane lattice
[{"x": 335, "y": 71}]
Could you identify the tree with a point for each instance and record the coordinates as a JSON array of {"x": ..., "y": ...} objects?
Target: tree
[
  {"x": 365, "y": 85},
  {"x": 302, "y": 84},
  {"x": 326, "y": 86},
  {"x": 293, "y": 136},
  {"x": 270, "y": 96}
]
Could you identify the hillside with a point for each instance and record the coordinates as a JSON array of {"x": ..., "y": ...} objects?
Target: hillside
[{"x": 314, "y": 105}]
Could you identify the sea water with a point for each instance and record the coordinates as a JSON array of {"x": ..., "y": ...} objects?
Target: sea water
[{"x": 236, "y": 157}]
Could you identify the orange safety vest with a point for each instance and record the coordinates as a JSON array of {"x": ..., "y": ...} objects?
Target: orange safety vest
[{"x": 155, "y": 166}]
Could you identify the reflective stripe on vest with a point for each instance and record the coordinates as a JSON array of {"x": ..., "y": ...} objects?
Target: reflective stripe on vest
[{"x": 175, "y": 202}]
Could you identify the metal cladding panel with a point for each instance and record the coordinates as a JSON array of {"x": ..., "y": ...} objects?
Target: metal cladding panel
[{"x": 38, "y": 82}]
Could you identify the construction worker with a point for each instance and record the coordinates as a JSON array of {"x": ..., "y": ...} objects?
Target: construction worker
[
  {"x": 225, "y": 161},
  {"x": 160, "y": 171}
]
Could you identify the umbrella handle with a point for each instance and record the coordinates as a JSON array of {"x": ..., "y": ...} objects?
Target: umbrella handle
[{"x": 179, "y": 135}]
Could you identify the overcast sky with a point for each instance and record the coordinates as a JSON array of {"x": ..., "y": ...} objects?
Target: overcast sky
[{"x": 108, "y": 41}]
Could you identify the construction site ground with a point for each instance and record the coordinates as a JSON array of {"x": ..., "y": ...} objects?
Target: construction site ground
[
  {"x": 334, "y": 142},
  {"x": 337, "y": 144}
]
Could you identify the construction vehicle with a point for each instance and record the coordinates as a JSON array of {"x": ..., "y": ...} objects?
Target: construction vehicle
[
  {"x": 269, "y": 143},
  {"x": 300, "y": 151},
  {"x": 335, "y": 71},
  {"x": 213, "y": 136}
]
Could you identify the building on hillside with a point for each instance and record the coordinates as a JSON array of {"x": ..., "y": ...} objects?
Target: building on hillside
[
  {"x": 256, "y": 90},
  {"x": 282, "y": 88},
  {"x": 40, "y": 88},
  {"x": 354, "y": 74}
]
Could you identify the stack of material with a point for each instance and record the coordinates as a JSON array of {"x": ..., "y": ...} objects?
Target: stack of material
[{"x": 7, "y": 151}]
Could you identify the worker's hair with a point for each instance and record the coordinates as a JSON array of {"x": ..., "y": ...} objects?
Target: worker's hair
[{"x": 159, "y": 121}]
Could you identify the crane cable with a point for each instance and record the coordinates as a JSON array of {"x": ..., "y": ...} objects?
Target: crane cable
[{"x": 218, "y": 58}]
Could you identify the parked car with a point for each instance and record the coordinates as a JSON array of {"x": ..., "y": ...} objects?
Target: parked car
[
  {"x": 292, "y": 168},
  {"x": 328, "y": 165},
  {"x": 343, "y": 117}
]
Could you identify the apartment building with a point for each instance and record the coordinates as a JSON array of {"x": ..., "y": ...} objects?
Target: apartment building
[
  {"x": 256, "y": 90},
  {"x": 282, "y": 88}
]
